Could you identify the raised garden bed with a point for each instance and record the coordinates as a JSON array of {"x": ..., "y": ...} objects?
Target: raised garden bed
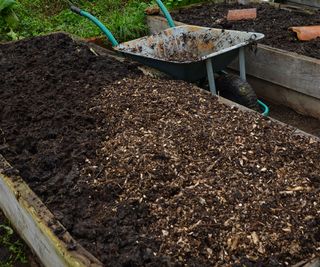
[{"x": 149, "y": 172}]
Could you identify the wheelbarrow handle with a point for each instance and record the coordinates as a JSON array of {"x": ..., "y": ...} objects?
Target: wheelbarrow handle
[
  {"x": 75, "y": 9},
  {"x": 97, "y": 22},
  {"x": 166, "y": 13}
]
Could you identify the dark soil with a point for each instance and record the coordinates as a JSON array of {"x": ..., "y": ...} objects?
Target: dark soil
[
  {"x": 274, "y": 23},
  {"x": 147, "y": 172},
  {"x": 12, "y": 257},
  {"x": 289, "y": 116}
]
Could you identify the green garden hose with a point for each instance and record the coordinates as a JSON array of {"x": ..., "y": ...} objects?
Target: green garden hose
[
  {"x": 166, "y": 13},
  {"x": 103, "y": 28},
  {"x": 264, "y": 107}
]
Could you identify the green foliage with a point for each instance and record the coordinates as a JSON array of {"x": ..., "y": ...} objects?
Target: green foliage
[
  {"x": 15, "y": 247},
  {"x": 124, "y": 18},
  {"x": 8, "y": 18},
  {"x": 124, "y": 22},
  {"x": 179, "y": 3}
]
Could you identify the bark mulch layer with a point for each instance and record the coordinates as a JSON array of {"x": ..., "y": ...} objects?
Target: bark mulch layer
[
  {"x": 147, "y": 172},
  {"x": 274, "y": 23}
]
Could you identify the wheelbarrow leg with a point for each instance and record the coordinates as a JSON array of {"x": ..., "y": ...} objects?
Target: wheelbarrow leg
[
  {"x": 242, "y": 64},
  {"x": 210, "y": 74}
]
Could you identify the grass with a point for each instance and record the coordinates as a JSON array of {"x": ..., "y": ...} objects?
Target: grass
[
  {"x": 125, "y": 18},
  {"x": 14, "y": 247},
  {"x": 179, "y": 3}
]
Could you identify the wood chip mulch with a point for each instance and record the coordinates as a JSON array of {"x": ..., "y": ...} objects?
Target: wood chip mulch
[{"x": 220, "y": 186}]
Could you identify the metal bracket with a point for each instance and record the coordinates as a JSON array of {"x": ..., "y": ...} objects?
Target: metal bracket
[{"x": 242, "y": 64}]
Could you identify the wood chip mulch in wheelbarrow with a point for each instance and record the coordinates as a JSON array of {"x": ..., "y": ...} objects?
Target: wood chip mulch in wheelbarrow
[
  {"x": 147, "y": 172},
  {"x": 272, "y": 22}
]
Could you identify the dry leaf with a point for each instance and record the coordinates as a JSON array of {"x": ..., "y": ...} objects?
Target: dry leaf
[{"x": 255, "y": 238}]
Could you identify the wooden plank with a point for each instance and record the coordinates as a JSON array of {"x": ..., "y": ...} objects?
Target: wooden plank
[
  {"x": 290, "y": 70},
  {"x": 36, "y": 225},
  {"x": 313, "y": 3},
  {"x": 158, "y": 23}
]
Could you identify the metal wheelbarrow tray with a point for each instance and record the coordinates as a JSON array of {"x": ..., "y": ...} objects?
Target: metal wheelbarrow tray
[{"x": 185, "y": 51}]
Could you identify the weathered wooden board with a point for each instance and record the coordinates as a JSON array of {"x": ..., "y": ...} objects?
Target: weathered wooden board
[
  {"x": 313, "y": 3},
  {"x": 36, "y": 225},
  {"x": 290, "y": 70},
  {"x": 158, "y": 23}
]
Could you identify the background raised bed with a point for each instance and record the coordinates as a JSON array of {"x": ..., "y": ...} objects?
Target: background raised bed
[{"x": 273, "y": 22}]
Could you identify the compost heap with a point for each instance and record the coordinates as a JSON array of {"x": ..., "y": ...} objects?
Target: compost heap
[
  {"x": 272, "y": 22},
  {"x": 147, "y": 172}
]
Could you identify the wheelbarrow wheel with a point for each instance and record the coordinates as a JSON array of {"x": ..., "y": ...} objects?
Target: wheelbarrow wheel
[{"x": 233, "y": 88}]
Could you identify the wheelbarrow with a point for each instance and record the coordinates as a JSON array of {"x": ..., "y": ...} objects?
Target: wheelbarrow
[{"x": 186, "y": 52}]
